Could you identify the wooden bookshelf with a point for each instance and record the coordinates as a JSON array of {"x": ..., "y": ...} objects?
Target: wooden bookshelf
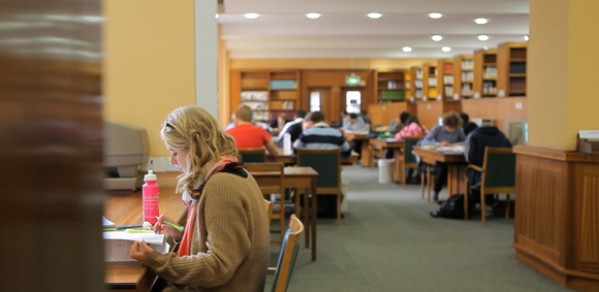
[
  {"x": 430, "y": 81},
  {"x": 463, "y": 75},
  {"x": 485, "y": 73},
  {"x": 446, "y": 79},
  {"x": 511, "y": 68},
  {"x": 416, "y": 77},
  {"x": 266, "y": 92},
  {"x": 390, "y": 86}
]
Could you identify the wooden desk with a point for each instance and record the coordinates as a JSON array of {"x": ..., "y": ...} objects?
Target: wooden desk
[
  {"x": 455, "y": 168},
  {"x": 290, "y": 159},
  {"x": 301, "y": 178},
  {"x": 360, "y": 137},
  {"x": 125, "y": 209},
  {"x": 396, "y": 146}
]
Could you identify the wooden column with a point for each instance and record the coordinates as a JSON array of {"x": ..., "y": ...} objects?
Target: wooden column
[{"x": 557, "y": 215}]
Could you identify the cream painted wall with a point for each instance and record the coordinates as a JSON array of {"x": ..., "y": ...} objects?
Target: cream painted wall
[
  {"x": 583, "y": 56},
  {"x": 563, "y": 56},
  {"x": 149, "y": 62}
]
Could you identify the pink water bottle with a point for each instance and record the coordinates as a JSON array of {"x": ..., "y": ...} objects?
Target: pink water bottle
[{"x": 150, "y": 194}]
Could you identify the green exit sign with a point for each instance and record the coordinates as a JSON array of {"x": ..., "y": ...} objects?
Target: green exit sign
[{"x": 352, "y": 80}]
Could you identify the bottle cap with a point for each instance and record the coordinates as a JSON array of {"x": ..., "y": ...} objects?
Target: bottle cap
[{"x": 150, "y": 175}]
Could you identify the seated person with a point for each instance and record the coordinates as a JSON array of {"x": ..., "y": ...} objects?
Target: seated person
[
  {"x": 279, "y": 122},
  {"x": 474, "y": 151},
  {"x": 398, "y": 123},
  {"x": 294, "y": 128},
  {"x": 413, "y": 129},
  {"x": 467, "y": 125},
  {"x": 354, "y": 122},
  {"x": 450, "y": 133},
  {"x": 248, "y": 135},
  {"x": 319, "y": 135}
]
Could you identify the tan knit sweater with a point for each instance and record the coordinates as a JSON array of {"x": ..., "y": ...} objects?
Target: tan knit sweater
[{"x": 231, "y": 240}]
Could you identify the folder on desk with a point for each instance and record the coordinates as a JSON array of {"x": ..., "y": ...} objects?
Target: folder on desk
[{"x": 117, "y": 244}]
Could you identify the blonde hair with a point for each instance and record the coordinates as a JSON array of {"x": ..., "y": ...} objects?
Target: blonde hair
[{"x": 193, "y": 128}]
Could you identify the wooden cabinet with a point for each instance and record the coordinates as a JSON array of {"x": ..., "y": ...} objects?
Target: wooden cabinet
[
  {"x": 511, "y": 67},
  {"x": 268, "y": 93},
  {"x": 416, "y": 76},
  {"x": 463, "y": 76},
  {"x": 446, "y": 79},
  {"x": 485, "y": 73},
  {"x": 390, "y": 86},
  {"x": 430, "y": 80}
]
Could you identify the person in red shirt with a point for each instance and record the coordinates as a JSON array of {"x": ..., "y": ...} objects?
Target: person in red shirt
[{"x": 248, "y": 135}]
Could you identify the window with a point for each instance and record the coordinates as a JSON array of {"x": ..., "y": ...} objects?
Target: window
[
  {"x": 315, "y": 99},
  {"x": 352, "y": 101}
]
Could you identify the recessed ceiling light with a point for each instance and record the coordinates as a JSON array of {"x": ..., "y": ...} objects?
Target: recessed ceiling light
[
  {"x": 251, "y": 15},
  {"x": 216, "y": 15},
  {"x": 437, "y": 38},
  {"x": 483, "y": 37},
  {"x": 435, "y": 15},
  {"x": 485, "y": 48},
  {"x": 313, "y": 15},
  {"x": 374, "y": 15},
  {"x": 481, "y": 20},
  {"x": 406, "y": 49},
  {"x": 526, "y": 37},
  {"x": 446, "y": 49}
]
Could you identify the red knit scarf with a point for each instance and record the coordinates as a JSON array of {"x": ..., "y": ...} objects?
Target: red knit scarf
[{"x": 192, "y": 209}]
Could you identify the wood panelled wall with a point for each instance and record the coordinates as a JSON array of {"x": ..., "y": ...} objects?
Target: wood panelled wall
[
  {"x": 334, "y": 82},
  {"x": 428, "y": 112},
  {"x": 382, "y": 114},
  {"x": 557, "y": 222},
  {"x": 501, "y": 110}
]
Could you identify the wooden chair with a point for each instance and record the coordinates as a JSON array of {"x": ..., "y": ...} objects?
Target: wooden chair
[
  {"x": 269, "y": 185},
  {"x": 287, "y": 255},
  {"x": 498, "y": 175},
  {"x": 252, "y": 155},
  {"x": 407, "y": 159},
  {"x": 327, "y": 162}
]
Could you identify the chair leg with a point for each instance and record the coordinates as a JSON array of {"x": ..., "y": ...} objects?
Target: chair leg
[
  {"x": 483, "y": 206},
  {"x": 422, "y": 179},
  {"x": 338, "y": 208},
  {"x": 507, "y": 206},
  {"x": 429, "y": 184},
  {"x": 466, "y": 197}
]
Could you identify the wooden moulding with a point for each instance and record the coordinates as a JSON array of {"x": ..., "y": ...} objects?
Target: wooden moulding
[{"x": 556, "y": 230}]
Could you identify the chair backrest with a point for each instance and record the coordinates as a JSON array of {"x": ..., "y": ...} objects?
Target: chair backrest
[
  {"x": 252, "y": 155},
  {"x": 327, "y": 162},
  {"x": 268, "y": 205},
  {"x": 410, "y": 142},
  {"x": 500, "y": 167},
  {"x": 272, "y": 176},
  {"x": 287, "y": 255}
]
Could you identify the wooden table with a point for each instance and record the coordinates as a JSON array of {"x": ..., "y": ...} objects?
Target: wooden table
[
  {"x": 396, "y": 146},
  {"x": 455, "y": 168},
  {"x": 125, "y": 209},
  {"x": 360, "y": 137},
  {"x": 301, "y": 178}
]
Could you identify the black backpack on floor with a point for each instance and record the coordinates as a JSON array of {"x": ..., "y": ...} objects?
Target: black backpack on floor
[{"x": 452, "y": 208}]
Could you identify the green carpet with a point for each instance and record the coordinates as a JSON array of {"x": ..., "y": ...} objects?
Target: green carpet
[{"x": 388, "y": 242}]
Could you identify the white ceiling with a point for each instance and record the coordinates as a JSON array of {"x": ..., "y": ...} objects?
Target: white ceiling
[{"x": 344, "y": 31}]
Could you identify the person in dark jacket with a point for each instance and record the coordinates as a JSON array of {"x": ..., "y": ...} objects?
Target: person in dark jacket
[
  {"x": 474, "y": 151},
  {"x": 467, "y": 125}
]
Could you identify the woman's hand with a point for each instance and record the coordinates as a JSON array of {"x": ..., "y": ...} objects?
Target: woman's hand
[
  {"x": 140, "y": 250},
  {"x": 160, "y": 226}
]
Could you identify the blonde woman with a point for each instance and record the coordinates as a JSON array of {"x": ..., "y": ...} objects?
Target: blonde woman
[{"x": 225, "y": 243}]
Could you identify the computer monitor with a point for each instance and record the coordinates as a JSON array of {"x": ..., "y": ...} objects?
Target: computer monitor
[
  {"x": 126, "y": 151},
  {"x": 518, "y": 132}
]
